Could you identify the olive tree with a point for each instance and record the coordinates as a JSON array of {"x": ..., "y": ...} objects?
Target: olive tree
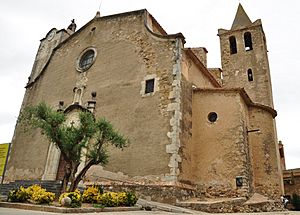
[{"x": 90, "y": 134}]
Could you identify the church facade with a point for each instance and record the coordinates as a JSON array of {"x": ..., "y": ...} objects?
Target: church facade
[{"x": 210, "y": 128}]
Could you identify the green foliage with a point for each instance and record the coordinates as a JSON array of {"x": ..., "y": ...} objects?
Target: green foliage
[
  {"x": 34, "y": 193},
  {"x": 98, "y": 206},
  {"x": 130, "y": 199},
  {"x": 18, "y": 195},
  {"x": 75, "y": 197},
  {"x": 104, "y": 135},
  {"x": 93, "y": 135},
  {"x": 69, "y": 139},
  {"x": 296, "y": 201}
]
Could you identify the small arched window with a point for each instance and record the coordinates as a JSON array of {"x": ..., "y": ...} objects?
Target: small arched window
[
  {"x": 250, "y": 75},
  {"x": 248, "y": 41},
  {"x": 233, "y": 47}
]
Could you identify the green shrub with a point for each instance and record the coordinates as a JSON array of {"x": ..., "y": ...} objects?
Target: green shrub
[
  {"x": 75, "y": 197},
  {"x": 296, "y": 201},
  {"x": 131, "y": 199},
  {"x": 18, "y": 195}
]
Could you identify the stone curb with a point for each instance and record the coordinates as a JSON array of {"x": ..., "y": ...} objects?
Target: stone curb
[
  {"x": 55, "y": 209},
  {"x": 166, "y": 207}
]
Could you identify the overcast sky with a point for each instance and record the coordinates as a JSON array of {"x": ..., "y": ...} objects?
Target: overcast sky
[{"x": 24, "y": 23}]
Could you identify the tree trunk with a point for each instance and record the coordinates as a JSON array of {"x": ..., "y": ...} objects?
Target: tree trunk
[
  {"x": 66, "y": 177},
  {"x": 81, "y": 175},
  {"x": 74, "y": 171}
]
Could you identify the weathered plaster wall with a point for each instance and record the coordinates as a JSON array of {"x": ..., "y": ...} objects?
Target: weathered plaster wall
[
  {"x": 28, "y": 154},
  {"x": 219, "y": 152},
  {"x": 186, "y": 133},
  {"x": 126, "y": 54},
  {"x": 29, "y": 149},
  {"x": 193, "y": 74},
  {"x": 264, "y": 154}
]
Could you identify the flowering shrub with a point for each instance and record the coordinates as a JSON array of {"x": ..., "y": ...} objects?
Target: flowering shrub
[
  {"x": 35, "y": 193},
  {"x": 90, "y": 195},
  {"x": 40, "y": 195},
  {"x": 18, "y": 195},
  {"x": 74, "y": 196},
  {"x": 108, "y": 199},
  {"x": 112, "y": 199}
]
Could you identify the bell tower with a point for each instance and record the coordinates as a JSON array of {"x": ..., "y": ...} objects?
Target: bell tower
[{"x": 244, "y": 58}]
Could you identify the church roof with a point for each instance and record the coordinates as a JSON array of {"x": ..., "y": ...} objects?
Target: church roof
[
  {"x": 243, "y": 94},
  {"x": 241, "y": 18}
]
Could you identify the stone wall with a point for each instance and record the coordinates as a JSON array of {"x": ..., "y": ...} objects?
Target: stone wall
[
  {"x": 291, "y": 178},
  {"x": 292, "y": 187},
  {"x": 217, "y": 73},
  {"x": 235, "y": 66},
  {"x": 201, "y": 53},
  {"x": 158, "y": 192},
  {"x": 233, "y": 206},
  {"x": 47, "y": 45},
  {"x": 186, "y": 133}
]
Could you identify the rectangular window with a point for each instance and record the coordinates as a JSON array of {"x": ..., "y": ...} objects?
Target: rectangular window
[
  {"x": 149, "y": 88},
  {"x": 239, "y": 181},
  {"x": 250, "y": 75}
]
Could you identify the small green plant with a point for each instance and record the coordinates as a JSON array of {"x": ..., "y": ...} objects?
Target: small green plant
[
  {"x": 75, "y": 197},
  {"x": 18, "y": 195},
  {"x": 98, "y": 206},
  {"x": 131, "y": 199}
]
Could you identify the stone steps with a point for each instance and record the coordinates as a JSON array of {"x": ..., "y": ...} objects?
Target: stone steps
[{"x": 51, "y": 186}]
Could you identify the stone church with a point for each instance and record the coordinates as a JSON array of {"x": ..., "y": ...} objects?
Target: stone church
[{"x": 191, "y": 127}]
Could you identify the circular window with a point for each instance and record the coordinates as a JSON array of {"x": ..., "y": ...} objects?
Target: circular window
[
  {"x": 212, "y": 116},
  {"x": 86, "y": 59}
]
